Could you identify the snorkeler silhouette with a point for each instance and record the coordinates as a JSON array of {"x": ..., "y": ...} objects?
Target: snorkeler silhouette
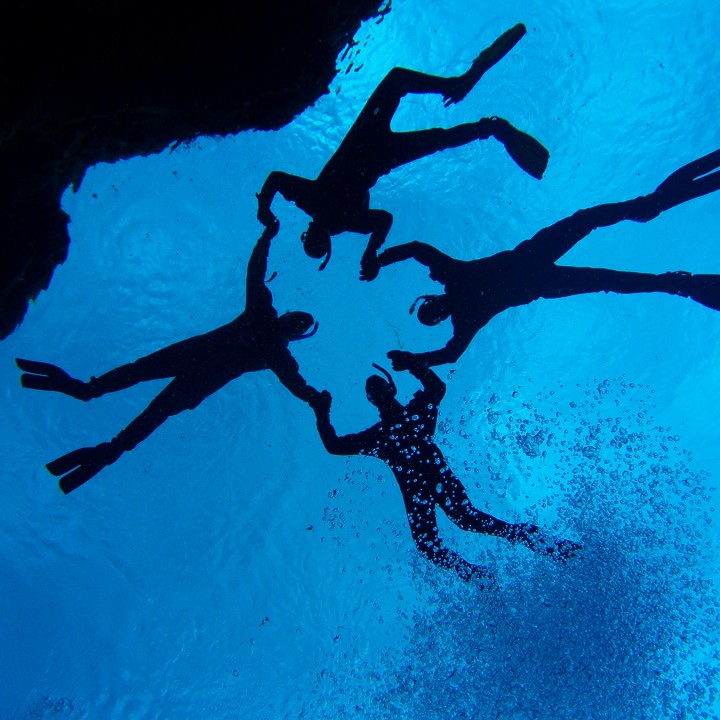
[
  {"x": 338, "y": 200},
  {"x": 477, "y": 290},
  {"x": 404, "y": 440},
  {"x": 199, "y": 366}
]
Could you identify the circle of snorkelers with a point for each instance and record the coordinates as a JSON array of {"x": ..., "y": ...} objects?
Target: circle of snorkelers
[{"x": 474, "y": 292}]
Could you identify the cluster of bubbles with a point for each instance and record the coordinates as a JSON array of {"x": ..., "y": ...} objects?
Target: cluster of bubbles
[
  {"x": 55, "y": 708},
  {"x": 627, "y": 630}
]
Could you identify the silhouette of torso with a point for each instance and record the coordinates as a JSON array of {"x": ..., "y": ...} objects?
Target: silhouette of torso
[
  {"x": 477, "y": 290},
  {"x": 405, "y": 442}
]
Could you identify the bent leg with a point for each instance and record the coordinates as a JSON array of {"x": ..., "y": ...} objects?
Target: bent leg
[
  {"x": 383, "y": 102},
  {"x": 455, "y": 503},
  {"x": 401, "y": 81},
  {"x": 79, "y": 466},
  {"x": 424, "y": 531}
]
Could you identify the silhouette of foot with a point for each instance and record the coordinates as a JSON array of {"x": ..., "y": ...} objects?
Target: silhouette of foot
[
  {"x": 459, "y": 87},
  {"x": 705, "y": 289},
  {"x": 44, "y": 376},
  {"x": 564, "y": 550},
  {"x": 524, "y": 149},
  {"x": 533, "y": 538},
  {"x": 480, "y": 576},
  {"x": 79, "y": 466}
]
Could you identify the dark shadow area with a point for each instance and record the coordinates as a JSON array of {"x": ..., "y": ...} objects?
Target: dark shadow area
[{"x": 86, "y": 82}]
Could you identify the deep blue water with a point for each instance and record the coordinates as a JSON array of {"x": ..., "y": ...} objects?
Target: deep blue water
[{"x": 184, "y": 581}]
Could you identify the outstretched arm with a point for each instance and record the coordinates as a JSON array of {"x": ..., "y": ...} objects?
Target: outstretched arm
[
  {"x": 291, "y": 187},
  {"x": 256, "y": 293},
  {"x": 288, "y": 372},
  {"x": 378, "y": 224},
  {"x": 436, "y": 261},
  {"x": 456, "y": 346},
  {"x": 352, "y": 444},
  {"x": 433, "y": 387}
]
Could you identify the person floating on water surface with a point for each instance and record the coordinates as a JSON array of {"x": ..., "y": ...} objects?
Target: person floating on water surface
[
  {"x": 199, "y": 366},
  {"x": 338, "y": 200},
  {"x": 404, "y": 440},
  {"x": 477, "y": 290}
]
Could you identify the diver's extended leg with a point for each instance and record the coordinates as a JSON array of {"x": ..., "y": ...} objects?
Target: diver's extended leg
[
  {"x": 400, "y": 81},
  {"x": 424, "y": 531},
  {"x": 162, "y": 364},
  {"x": 44, "y": 376},
  {"x": 79, "y": 466},
  {"x": 562, "y": 281},
  {"x": 178, "y": 359},
  {"x": 527, "y": 152},
  {"x": 551, "y": 243},
  {"x": 700, "y": 177},
  {"x": 703, "y": 289},
  {"x": 697, "y": 178},
  {"x": 456, "y": 504}
]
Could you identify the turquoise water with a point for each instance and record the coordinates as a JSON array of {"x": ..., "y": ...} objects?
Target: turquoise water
[{"x": 229, "y": 568}]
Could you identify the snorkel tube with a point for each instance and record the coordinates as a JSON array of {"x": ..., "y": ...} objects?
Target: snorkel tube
[{"x": 391, "y": 383}]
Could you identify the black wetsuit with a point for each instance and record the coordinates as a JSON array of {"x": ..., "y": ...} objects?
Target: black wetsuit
[
  {"x": 403, "y": 439},
  {"x": 198, "y": 366},
  {"x": 339, "y": 198},
  {"x": 477, "y": 290}
]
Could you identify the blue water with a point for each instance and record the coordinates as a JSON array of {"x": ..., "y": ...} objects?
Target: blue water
[{"x": 229, "y": 568}]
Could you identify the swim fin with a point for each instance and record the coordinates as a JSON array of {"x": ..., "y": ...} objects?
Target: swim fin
[
  {"x": 79, "y": 466},
  {"x": 44, "y": 376},
  {"x": 459, "y": 87},
  {"x": 705, "y": 289},
  {"x": 524, "y": 149},
  {"x": 498, "y": 50}
]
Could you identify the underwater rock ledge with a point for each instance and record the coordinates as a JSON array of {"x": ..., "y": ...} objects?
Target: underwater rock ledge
[{"x": 86, "y": 82}]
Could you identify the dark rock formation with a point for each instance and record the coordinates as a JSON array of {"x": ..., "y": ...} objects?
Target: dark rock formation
[{"x": 84, "y": 81}]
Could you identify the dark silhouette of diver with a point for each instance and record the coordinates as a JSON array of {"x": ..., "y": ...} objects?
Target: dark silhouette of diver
[
  {"x": 199, "y": 366},
  {"x": 404, "y": 440},
  {"x": 477, "y": 290},
  {"x": 338, "y": 200}
]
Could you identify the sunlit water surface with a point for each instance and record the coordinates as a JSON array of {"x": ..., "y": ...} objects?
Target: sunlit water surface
[{"x": 229, "y": 568}]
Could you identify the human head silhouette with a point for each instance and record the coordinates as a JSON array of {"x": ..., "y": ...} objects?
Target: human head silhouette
[
  {"x": 316, "y": 242},
  {"x": 432, "y": 310},
  {"x": 380, "y": 391},
  {"x": 296, "y": 325}
]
